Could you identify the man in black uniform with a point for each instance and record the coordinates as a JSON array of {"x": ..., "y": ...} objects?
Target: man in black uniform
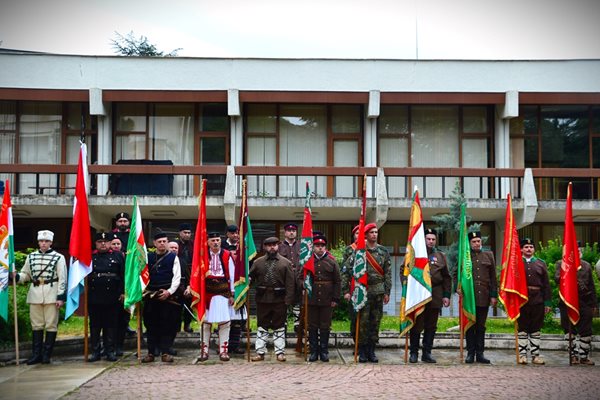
[
  {"x": 105, "y": 294},
  {"x": 185, "y": 254},
  {"x": 122, "y": 222},
  {"x": 162, "y": 310},
  {"x": 121, "y": 231},
  {"x": 325, "y": 296}
]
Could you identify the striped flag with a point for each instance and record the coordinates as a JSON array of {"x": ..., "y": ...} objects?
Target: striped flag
[
  {"x": 200, "y": 258},
  {"x": 137, "y": 275},
  {"x": 80, "y": 244},
  {"x": 307, "y": 261},
  {"x": 247, "y": 252},
  {"x": 568, "y": 288},
  {"x": 513, "y": 282},
  {"x": 465, "y": 275},
  {"x": 416, "y": 285},
  {"x": 359, "y": 270},
  {"x": 7, "y": 250}
]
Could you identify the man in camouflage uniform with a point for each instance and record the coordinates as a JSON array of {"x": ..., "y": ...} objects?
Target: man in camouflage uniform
[
  {"x": 345, "y": 269},
  {"x": 379, "y": 285},
  {"x": 441, "y": 284},
  {"x": 289, "y": 247},
  {"x": 588, "y": 303},
  {"x": 485, "y": 284},
  {"x": 47, "y": 271},
  {"x": 531, "y": 320}
]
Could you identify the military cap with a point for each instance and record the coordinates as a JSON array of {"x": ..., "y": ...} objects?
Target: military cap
[
  {"x": 232, "y": 228},
  {"x": 579, "y": 243},
  {"x": 185, "y": 226},
  {"x": 115, "y": 236},
  {"x": 370, "y": 226},
  {"x": 212, "y": 235},
  {"x": 355, "y": 229},
  {"x": 45, "y": 235},
  {"x": 122, "y": 215},
  {"x": 526, "y": 241},
  {"x": 430, "y": 231},
  {"x": 160, "y": 235},
  {"x": 473, "y": 235},
  {"x": 317, "y": 233},
  {"x": 104, "y": 236},
  {"x": 290, "y": 226},
  {"x": 320, "y": 239},
  {"x": 271, "y": 240}
]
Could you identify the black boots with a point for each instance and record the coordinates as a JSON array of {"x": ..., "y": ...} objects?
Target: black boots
[
  {"x": 479, "y": 348},
  {"x": 470, "y": 336},
  {"x": 414, "y": 347},
  {"x": 324, "y": 345},
  {"x": 37, "y": 340},
  {"x": 371, "y": 355},
  {"x": 109, "y": 336},
  {"x": 313, "y": 340},
  {"x": 48, "y": 347},
  {"x": 95, "y": 345},
  {"x": 427, "y": 346},
  {"x": 363, "y": 353}
]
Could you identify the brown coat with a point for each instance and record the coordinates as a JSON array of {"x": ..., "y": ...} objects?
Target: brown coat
[
  {"x": 484, "y": 277},
  {"x": 585, "y": 284},
  {"x": 441, "y": 282},
  {"x": 326, "y": 282},
  {"x": 283, "y": 288},
  {"x": 291, "y": 252},
  {"x": 538, "y": 285}
]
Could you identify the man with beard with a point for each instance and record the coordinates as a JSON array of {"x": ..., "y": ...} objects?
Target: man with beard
[{"x": 274, "y": 280}]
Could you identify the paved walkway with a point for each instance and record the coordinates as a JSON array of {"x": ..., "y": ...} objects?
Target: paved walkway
[{"x": 70, "y": 378}]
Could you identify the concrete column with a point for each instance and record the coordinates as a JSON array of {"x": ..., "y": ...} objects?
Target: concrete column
[
  {"x": 236, "y": 127},
  {"x": 370, "y": 137},
  {"x": 104, "y": 147},
  {"x": 230, "y": 195}
]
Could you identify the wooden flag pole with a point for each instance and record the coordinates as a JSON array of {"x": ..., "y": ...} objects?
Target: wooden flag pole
[
  {"x": 460, "y": 324},
  {"x": 406, "y": 347},
  {"x": 248, "y": 325},
  {"x": 85, "y": 320},
  {"x": 305, "y": 324},
  {"x": 357, "y": 336},
  {"x": 139, "y": 332},
  {"x": 516, "y": 342},
  {"x": 16, "y": 321}
]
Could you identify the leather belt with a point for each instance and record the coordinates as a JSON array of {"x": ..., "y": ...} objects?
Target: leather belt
[
  {"x": 109, "y": 274},
  {"x": 42, "y": 281}
]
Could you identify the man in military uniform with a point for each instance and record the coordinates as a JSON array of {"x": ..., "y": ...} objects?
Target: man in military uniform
[
  {"x": 121, "y": 230},
  {"x": 219, "y": 297},
  {"x": 185, "y": 255},
  {"x": 379, "y": 285},
  {"x": 290, "y": 249},
  {"x": 122, "y": 221},
  {"x": 47, "y": 271},
  {"x": 347, "y": 269},
  {"x": 274, "y": 280},
  {"x": 105, "y": 295},
  {"x": 232, "y": 240},
  {"x": 531, "y": 320},
  {"x": 485, "y": 284},
  {"x": 325, "y": 297},
  {"x": 441, "y": 285},
  {"x": 162, "y": 310},
  {"x": 588, "y": 303}
]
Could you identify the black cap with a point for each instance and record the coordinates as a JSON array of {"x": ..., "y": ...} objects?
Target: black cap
[
  {"x": 160, "y": 235},
  {"x": 320, "y": 239},
  {"x": 115, "y": 236},
  {"x": 473, "y": 235},
  {"x": 317, "y": 233},
  {"x": 212, "y": 235},
  {"x": 104, "y": 236},
  {"x": 271, "y": 240},
  {"x": 290, "y": 226},
  {"x": 579, "y": 243},
  {"x": 526, "y": 241},
  {"x": 430, "y": 231},
  {"x": 185, "y": 226},
  {"x": 122, "y": 215},
  {"x": 232, "y": 228}
]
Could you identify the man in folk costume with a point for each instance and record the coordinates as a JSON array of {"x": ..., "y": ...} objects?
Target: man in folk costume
[
  {"x": 232, "y": 244},
  {"x": 379, "y": 286},
  {"x": 47, "y": 271},
  {"x": 325, "y": 297},
  {"x": 274, "y": 280},
  {"x": 289, "y": 247},
  {"x": 162, "y": 307},
  {"x": 441, "y": 285},
  {"x": 485, "y": 284},
  {"x": 219, "y": 297},
  {"x": 105, "y": 296},
  {"x": 588, "y": 303},
  {"x": 531, "y": 320}
]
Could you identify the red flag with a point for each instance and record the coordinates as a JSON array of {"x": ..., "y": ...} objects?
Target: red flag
[
  {"x": 513, "y": 281},
  {"x": 568, "y": 289},
  {"x": 200, "y": 258}
]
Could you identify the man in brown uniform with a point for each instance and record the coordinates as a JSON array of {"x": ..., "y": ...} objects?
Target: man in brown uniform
[
  {"x": 531, "y": 320},
  {"x": 486, "y": 293},
  {"x": 290, "y": 249},
  {"x": 273, "y": 278},
  {"x": 441, "y": 284},
  {"x": 587, "y": 307},
  {"x": 325, "y": 296}
]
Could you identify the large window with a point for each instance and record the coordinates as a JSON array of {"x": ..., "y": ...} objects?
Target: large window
[
  {"x": 394, "y": 138},
  {"x": 8, "y": 134},
  {"x": 214, "y": 143}
]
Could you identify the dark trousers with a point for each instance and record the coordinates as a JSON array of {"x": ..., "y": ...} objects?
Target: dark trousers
[
  {"x": 271, "y": 315},
  {"x": 427, "y": 321},
  {"x": 531, "y": 319},
  {"x": 162, "y": 320},
  {"x": 476, "y": 334},
  {"x": 583, "y": 327},
  {"x": 319, "y": 317}
]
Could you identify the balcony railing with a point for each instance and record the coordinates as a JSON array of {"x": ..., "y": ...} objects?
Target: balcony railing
[{"x": 326, "y": 182}]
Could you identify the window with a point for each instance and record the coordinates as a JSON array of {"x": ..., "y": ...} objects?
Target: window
[
  {"x": 394, "y": 138},
  {"x": 8, "y": 134},
  {"x": 214, "y": 143}
]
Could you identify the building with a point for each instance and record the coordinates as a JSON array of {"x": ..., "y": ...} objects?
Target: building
[{"x": 155, "y": 126}]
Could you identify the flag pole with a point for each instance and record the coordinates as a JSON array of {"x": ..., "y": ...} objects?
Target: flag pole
[
  {"x": 305, "y": 328},
  {"x": 248, "y": 325},
  {"x": 16, "y": 321},
  {"x": 406, "y": 347},
  {"x": 85, "y": 320},
  {"x": 460, "y": 324},
  {"x": 516, "y": 342},
  {"x": 356, "y": 336},
  {"x": 139, "y": 333}
]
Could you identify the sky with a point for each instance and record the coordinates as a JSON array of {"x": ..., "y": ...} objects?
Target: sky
[{"x": 380, "y": 29}]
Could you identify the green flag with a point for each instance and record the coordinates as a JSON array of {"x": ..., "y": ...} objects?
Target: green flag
[
  {"x": 246, "y": 253},
  {"x": 7, "y": 251},
  {"x": 465, "y": 275},
  {"x": 136, "y": 262}
]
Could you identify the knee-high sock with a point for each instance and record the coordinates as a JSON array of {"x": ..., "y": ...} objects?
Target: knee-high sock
[
  {"x": 585, "y": 344},
  {"x": 279, "y": 340},
  {"x": 535, "y": 339},
  {"x": 261, "y": 340},
  {"x": 523, "y": 343},
  {"x": 205, "y": 338},
  {"x": 224, "y": 328}
]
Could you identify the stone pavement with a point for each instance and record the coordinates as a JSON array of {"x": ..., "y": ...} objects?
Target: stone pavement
[{"x": 70, "y": 378}]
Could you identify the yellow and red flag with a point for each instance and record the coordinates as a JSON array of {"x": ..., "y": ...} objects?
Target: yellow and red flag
[
  {"x": 568, "y": 289},
  {"x": 200, "y": 258}
]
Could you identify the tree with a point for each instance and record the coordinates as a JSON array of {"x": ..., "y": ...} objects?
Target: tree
[{"x": 138, "y": 47}]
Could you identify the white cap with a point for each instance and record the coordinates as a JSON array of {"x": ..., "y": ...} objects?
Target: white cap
[{"x": 45, "y": 235}]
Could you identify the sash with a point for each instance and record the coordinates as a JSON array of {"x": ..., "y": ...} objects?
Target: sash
[{"x": 374, "y": 263}]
